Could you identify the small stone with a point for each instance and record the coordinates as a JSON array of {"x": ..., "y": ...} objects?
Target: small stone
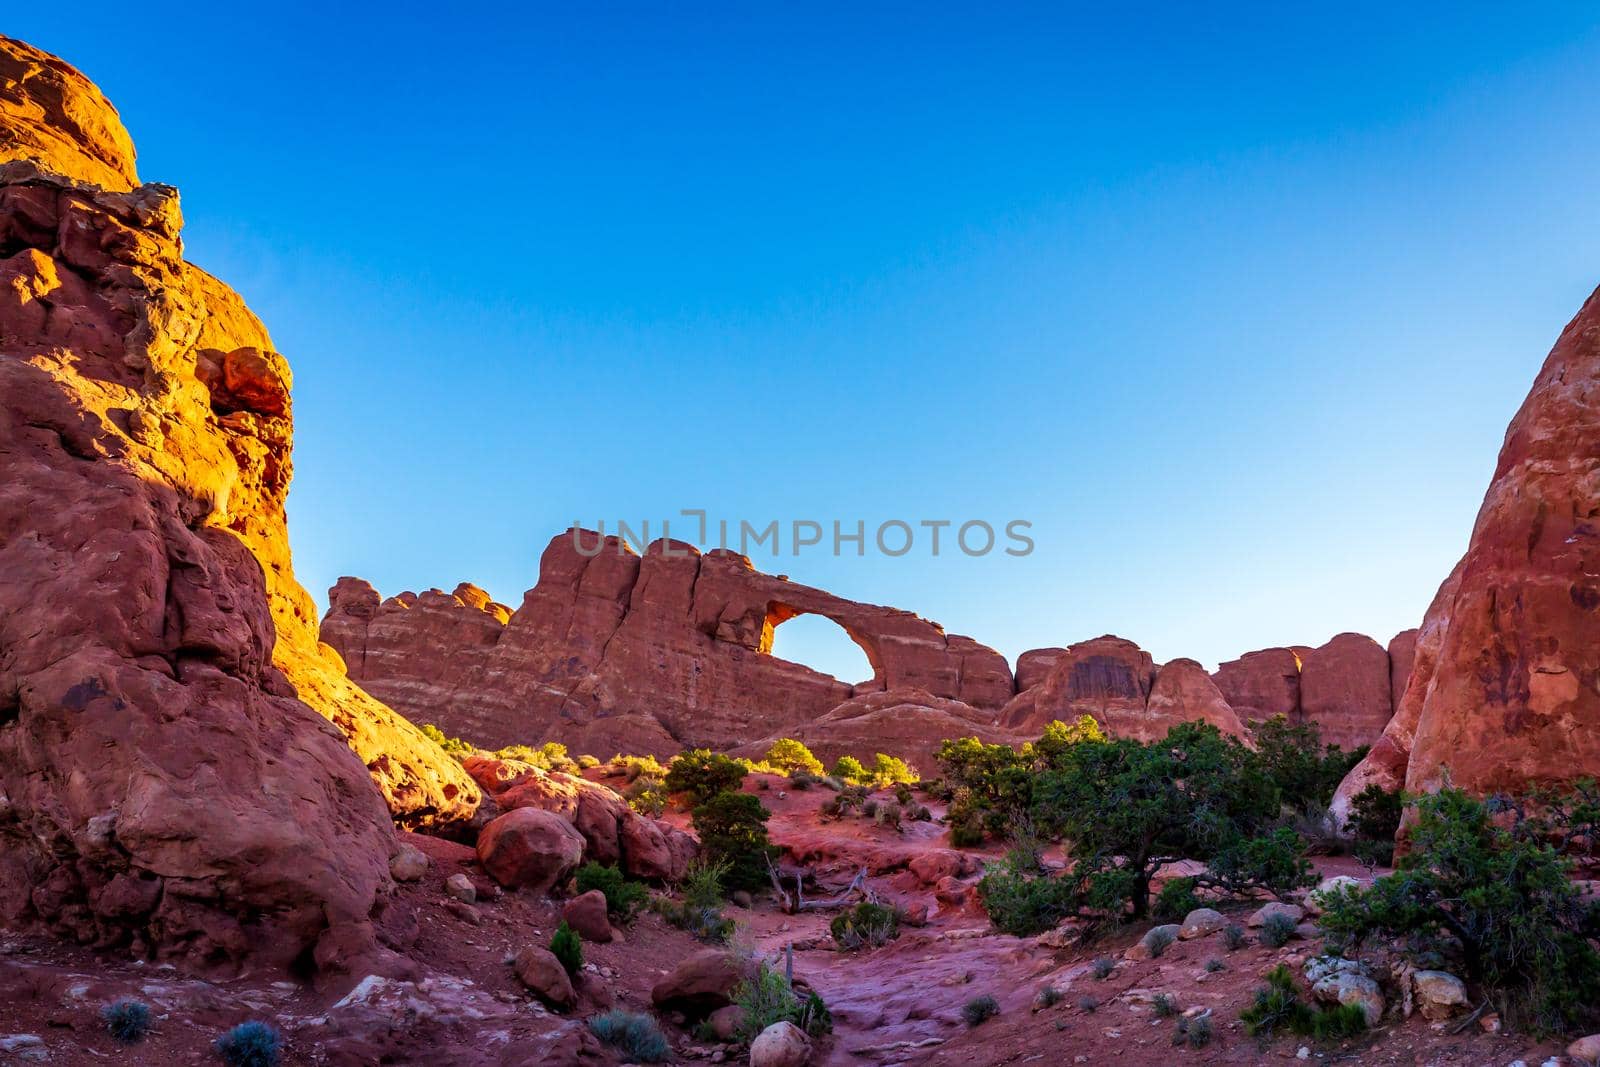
[
  {"x": 461, "y": 887},
  {"x": 1490, "y": 1022},
  {"x": 408, "y": 864},
  {"x": 1302, "y": 1053},
  {"x": 463, "y": 911}
]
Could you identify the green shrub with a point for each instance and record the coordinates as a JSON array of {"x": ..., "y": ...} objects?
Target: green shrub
[
  {"x": 1195, "y": 1032},
  {"x": 768, "y": 997},
  {"x": 1022, "y": 904},
  {"x": 889, "y": 770},
  {"x": 452, "y": 745},
  {"x": 566, "y": 947},
  {"x": 703, "y": 774},
  {"x": 1126, "y": 809},
  {"x": 1158, "y": 940},
  {"x": 1295, "y": 760},
  {"x": 1176, "y": 899},
  {"x": 1277, "y": 1008},
  {"x": 803, "y": 781},
  {"x": 792, "y": 757},
  {"x": 251, "y": 1044},
  {"x": 587, "y": 762},
  {"x": 732, "y": 830},
  {"x": 967, "y": 833},
  {"x": 980, "y": 1010},
  {"x": 647, "y": 796},
  {"x": 623, "y": 897},
  {"x": 1103, "y": 967},
  {"x": 1233, "y": 937},
  {"x": 635, "y": 767},
  {"x": 1374, "y": 821},
  {"x": 550, "y": 757},
  {"x": 1048, "y": 996},
  {"x": 1088, "y": 1004},
  {"x": 1499, "y": 896},
  {"x": 1214, "y": 965},
  {"x": 903, "y": 795},
  {"x": 889, "y": 815},
  {"x": 1274, "y": 861},
  {"x": 127, "y": 1021},
  {"x": 635, "y": 1035},
  {"x": 700, "y": 910},
  {"x": 849, "y": 769},
  {"x": 1164, "y": 1006},
  {"x": 866, "y": 925},
  {"x": 1276, "y": 930}
]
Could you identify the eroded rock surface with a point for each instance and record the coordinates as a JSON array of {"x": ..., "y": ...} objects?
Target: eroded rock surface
[
  {"x": 1515, "y": 696},
  {"x": 169, "y": 776}
]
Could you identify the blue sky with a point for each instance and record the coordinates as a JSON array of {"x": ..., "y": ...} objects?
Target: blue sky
[{"x": 1233, "y": 304}]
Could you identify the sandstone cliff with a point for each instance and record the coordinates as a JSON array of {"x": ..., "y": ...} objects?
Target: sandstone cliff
[{"x": 169, "y": 776}]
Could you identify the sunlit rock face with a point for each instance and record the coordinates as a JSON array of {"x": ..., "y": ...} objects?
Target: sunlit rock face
[
  {"x": 617, "y": 652},
  {"x": 176, "y": 764},
  {"x": 1515, "y": 696}
]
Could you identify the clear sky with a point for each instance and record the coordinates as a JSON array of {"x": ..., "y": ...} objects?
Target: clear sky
[{"x": 1233, "y": 303}]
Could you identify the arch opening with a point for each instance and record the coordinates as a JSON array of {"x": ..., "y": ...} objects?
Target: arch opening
[{"x": 818, "y": 642}]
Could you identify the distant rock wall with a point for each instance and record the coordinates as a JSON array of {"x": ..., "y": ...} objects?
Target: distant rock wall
[{"x": 617, "y": 652}]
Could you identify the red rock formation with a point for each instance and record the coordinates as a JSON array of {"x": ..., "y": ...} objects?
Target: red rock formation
[
  {"x": 1402, "y": 655},
  {"x": 614, "y": 652},
  {"x": 1183, "y": 692},
  {"x": 1107, "y": 677},
  {"x": 1515, "y": 699},
  {"x": 1385, "y": 764},
  {"x": 1034, "y": 665},
  {"x": 1344, "y": 690},
  {"x": 160, "y": 782},
  {"x": 1261, "y": 685}
]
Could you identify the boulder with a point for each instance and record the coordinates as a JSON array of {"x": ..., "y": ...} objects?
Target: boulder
[
  {"x": 1585, "y": 1049},
  {"x": 725, "y": 1022},
  {"x": 700, "y": 984},
  {"x": 1145, "y": 947},
  {"x": 408, "y": 864},
  {"x": 1201, "y": 922},
  {"x": 1328, "y": 886},
  {"x": 530, "y": 848},
  {"x": 1351, "y": 987},
  {"x": 1439, "y": 995},
  {"x": 782, "y": 1044},
  {"x": 543, "y": 974},
  {"x": 1293, "y": 912},
  {"x": 586, "y": 913}
]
